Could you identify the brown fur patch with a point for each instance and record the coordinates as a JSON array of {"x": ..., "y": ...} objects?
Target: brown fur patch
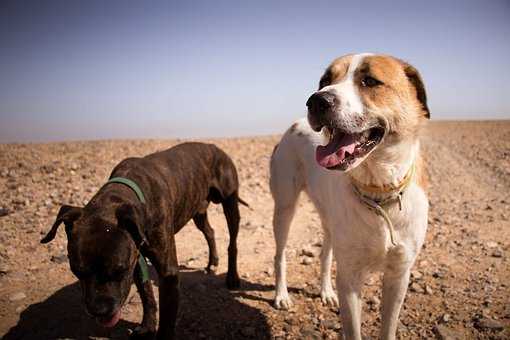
[
  {"x": 422, "y": 178},
  {"x": 336, "y": 71},
  {"x": 293, "y": 128},
  {"x": 397, "y": 99}
]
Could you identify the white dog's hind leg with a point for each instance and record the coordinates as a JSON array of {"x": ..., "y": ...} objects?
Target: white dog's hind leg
[
  {"x": 328, "y": 295},
  {"x": 281, "y": 224},
  {"x": 286, "y": 184}
]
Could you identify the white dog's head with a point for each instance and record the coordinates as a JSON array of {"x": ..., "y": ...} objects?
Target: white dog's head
[{"x": 365, "y": 102}]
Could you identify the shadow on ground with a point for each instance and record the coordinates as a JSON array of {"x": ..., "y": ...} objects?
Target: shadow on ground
[{"x": 208, "y": 311}]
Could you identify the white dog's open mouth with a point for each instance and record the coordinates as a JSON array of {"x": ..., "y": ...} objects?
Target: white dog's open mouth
[{"x": 344, "y": 148}]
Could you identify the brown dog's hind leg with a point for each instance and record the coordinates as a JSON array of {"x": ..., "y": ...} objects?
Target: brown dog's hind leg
[
  {"x": 147, "y": 329},
  {"x": 231, "y": 211},
  {"x": 202, "y": 223}
]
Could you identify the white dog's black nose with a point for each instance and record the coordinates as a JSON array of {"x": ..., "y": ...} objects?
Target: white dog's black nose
[
  {"x": 321, "y": 106},
  {"x": 320, "y": 103}
]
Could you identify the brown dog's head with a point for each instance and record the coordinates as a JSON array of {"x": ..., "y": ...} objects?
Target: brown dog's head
[
  {"x": 102, "y": 251},
  {"x": 365, "y": 102}
]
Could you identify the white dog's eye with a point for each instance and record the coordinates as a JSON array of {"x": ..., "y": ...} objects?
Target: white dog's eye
[{"x": 370, "y": 82}]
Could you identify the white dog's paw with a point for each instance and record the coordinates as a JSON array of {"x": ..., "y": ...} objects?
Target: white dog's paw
[
  {"x": 329, "y": 298},
  {"x": 283, "y": 301}
]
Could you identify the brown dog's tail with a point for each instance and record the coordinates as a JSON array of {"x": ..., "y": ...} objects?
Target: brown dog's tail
[{"x": 243, "y": 202}]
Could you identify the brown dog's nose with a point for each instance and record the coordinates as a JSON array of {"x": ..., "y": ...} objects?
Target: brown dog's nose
[
  {"x": 102, "y": 306},
  {"x": 320, "y": 103}
]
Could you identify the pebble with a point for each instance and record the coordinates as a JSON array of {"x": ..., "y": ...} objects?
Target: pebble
[
  {"x": 497, "y": 253},
  {"x": 445, "y": 333},
  {"x": 306, "y": 261},
  {"x": 446, "y": 317},
  {"x": 491, "y": 244},
  {"x": 331, "y": 324},
  {"x": 59, "y": 258},
  {"x": 416, "y": 275},
  {"x": 310, "y": 334},
  {"x": 416, "y": 288},
  {"x": 4, "y": 212},
  {"x": 17, "y": 297},
  {"x": 486, "y": 323},
  {"x": 428, "y": 290},
  {"x": 307, "y": 251}
]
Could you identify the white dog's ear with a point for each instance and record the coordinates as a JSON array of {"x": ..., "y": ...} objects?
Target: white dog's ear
[{"x": 415, "y": 79}]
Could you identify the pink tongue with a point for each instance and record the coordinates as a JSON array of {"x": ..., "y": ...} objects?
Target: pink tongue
[
  {"x": 111, "y": 322},
  {"x": 333, "y": 153}
]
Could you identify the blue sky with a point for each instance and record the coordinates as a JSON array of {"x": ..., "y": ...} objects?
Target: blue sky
[{"x": 150, "y": 69}]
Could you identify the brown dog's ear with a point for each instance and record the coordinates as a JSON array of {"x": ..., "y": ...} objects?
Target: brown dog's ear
[
  {"x": 414, "y": 77},
  {"x": 67, "y": 214},
  {"x": 131, "y": 220}
]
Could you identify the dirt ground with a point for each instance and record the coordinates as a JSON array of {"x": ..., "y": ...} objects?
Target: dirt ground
[{"x": 460, "y": 287}]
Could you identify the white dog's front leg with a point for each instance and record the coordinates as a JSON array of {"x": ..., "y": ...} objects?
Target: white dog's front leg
[
  {"x": 282, "y": 219},
  {"x": 328, "y": 295},
  {"x": 348, "y": 285},
  {"x": 394, "y": 292}
]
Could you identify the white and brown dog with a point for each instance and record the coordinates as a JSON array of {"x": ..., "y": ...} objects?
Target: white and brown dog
[{"x": 358, "y": 158}]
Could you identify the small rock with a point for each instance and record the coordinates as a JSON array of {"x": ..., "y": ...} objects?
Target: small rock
[
  {"x": 59, "y": 258},
  {"x": 4, "y": 212},
  {"x": 306, "y": 261},
  {"x": 310, "y": 334},
  {"x": 416, "y": 288},
  {"x": 445, "y": 318},
  {"x": 17, "y": 297},
  {"x": 444, "y": 333},
  {"x": 486, "y": 323},
  {"x": 307, "y": 251},
  {"x": 491, "y": 244},
  {"x": 428, "y": 290},
  {"x": 497, "y": 253},
  {"x": 416, "y": 275},
  {"x": 330, "y": 324}
]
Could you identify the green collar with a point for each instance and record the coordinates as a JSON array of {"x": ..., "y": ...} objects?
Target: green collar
[
  {"x": 132, "y": 185},
  {"x": 144, "y": 269}
]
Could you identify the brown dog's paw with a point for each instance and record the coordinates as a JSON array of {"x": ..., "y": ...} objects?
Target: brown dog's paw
[
  {"x": 233, "y": 281},
  {"x": 211, "y": 270},
  {"x": 142, "y": 333}
]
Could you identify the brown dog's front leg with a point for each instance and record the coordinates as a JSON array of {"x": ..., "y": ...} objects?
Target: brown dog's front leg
[
  {"x": 147, "y": 329},
  {"x": 165, "y": 262},
  {"x": 168, "y": 305}
]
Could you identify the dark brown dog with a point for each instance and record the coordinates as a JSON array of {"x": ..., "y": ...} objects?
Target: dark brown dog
[{"x": 106, "y": 237}]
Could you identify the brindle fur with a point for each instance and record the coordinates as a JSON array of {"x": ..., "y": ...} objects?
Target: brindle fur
[{"x": 105, "y": 236}]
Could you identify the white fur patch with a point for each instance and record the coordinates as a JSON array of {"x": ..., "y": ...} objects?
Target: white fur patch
[{"x": 348, "y": 94}]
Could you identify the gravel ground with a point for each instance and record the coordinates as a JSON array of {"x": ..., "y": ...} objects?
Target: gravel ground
[{"x": 459, "y": 287}]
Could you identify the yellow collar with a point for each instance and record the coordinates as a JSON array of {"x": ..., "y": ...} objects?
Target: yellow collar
[
  {"x": 386, "y": 189},
  {"x": 393, "y": 194}
]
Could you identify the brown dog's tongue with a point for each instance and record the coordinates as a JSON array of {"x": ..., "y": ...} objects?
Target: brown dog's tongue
[
  {"x": 108, "y": 323},
  {"x": 333, "y": 153}
]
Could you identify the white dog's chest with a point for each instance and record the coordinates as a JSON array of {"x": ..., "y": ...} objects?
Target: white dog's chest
[{"x": 361, "y": 238}]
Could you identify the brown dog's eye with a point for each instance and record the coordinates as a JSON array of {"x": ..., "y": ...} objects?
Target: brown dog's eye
[{"x": 370, "y": 82}]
